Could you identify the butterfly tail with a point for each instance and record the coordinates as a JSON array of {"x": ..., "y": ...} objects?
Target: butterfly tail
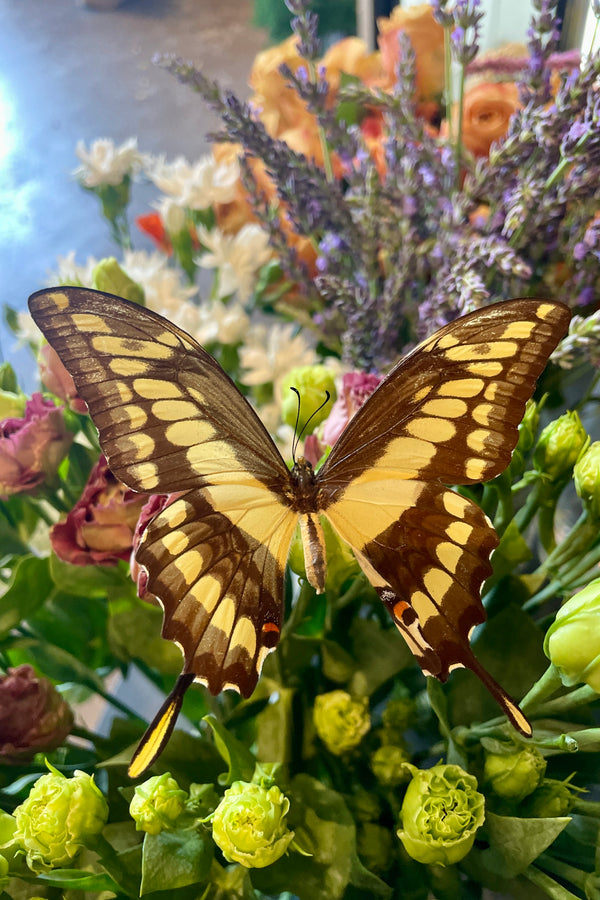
[
  {"x": 517, "y": 719},
  {"x": 159, "y": 731}
]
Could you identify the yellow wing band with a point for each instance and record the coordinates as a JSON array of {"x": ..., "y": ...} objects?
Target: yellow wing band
[{"x": 159, "y": 731}]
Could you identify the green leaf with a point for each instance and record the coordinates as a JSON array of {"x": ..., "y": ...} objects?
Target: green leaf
[
  {"x": 380, "y": 655},
  {"x": 325, "y": 828},
  {"x": 75, "y": 880},
  {"x": 175, "y": 859},
  {"x": 56, "y": 663},
  {"x": 274, "y": 728},
  {"x": 510, "y": 646},
  {"x": 515, "y": 843},
  {"x": 82, "y": 581},
  {"x": 239, "y": 759},
  {"x": 27, "y": 590}
]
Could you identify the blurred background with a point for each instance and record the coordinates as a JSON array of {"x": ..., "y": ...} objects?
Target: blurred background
[{"x": 78, "y": 70}]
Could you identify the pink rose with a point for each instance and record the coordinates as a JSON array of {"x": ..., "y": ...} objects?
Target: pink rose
[
  {"x": 58, "y": 380},
  {"x": 356, "y": 387},
  {"x": 99, "y": 529},
  {"x": 31, "y": 447},
  {"x": 154, "y": 504},
  {"x": 33, "y": 715}
]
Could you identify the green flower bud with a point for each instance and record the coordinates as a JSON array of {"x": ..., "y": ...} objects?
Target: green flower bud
[
  {"x": 586, "y": 476},
  {"x": 365, "y": 806},
  {"x": 157, "y": 804},
  {"x": 390, "y": 765},
  {"x": 249, "y": 825},
  {"x": 311, "y": 382},
  {"x": 341, "y": 721},
  {"x": 59, "y": 816},
  {"x": 559, "y": 446},
  {"x": 109, "y": 276},
  {"x": 527, "y": 432},
  {"x": 441, "y": 812},
  {"x": 203, "y": 800},
  {"x": 374, "y": 846},
  {"x": 551, "y": 799},
  {"x": 572, "y": 642},
  {"x": 514, "y": 775},
  {"x": 399, "y": 715},
  {"x": 12, "y": 406}
]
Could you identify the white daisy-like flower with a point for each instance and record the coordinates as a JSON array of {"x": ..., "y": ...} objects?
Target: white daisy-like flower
[
  {"x": 104, "y": 163},
  {"x": 172, "y": 214},
  {"x": 28, "y": 331},
  {"x": 238, "y": 257},
  {"x": 270, "y": 352},
  {"x": 195, "y": 185},
  {"x": 163, "y": 289},
  {"x": 69, "y": 271},
  {"x": 226, "y": 323}
]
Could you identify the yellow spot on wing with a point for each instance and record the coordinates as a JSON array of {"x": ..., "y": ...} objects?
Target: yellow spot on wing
[
  {"x": 115, "y": 346},
  {"x": 142, "y": 443},
  {"x": 207, "y": 592},
  {"x": 455, "y": 504},
  {"x": 430, "y": 429},
  {"x": 175, "y": 542},
  {"x": 128, "y": 368},
  {"x": 494, "y": 350},
  {"x": 476, "y": 468},
  {"x": 449, "y": 340},
  {"x": 174, "y": 410},
  {"x": 482, "y": 413},
  {"x": 244, "y": 635},
  {"x": 423, "y": 606},
  {"x": 90, "y": 322},
  {"x": 476, "y": 440},
  {"x": 449, "y": 555},
  {"x": 438, "y": 583},
  {"x": 155, "y": 389},
  {"x": 450, "y": 409},
  {"x": 123, "y": 390},
  {"x": 522, "y": 331},
  {"x": 459, "y": 532},
  {"x": 190, "y": 432},
  {"x": 175, "y": 513},
  {"x": 60, "y": 299},
  {"x": 545, "y": 310},
  {"x": 167, "y": 337},
  {"x": 189, "y": 565},
  {"x": 224, "y": 616},
  {"x": 489, "y": 369},
  {"x": 461, "y": 387},
  {"x": 146, "y": 473}
]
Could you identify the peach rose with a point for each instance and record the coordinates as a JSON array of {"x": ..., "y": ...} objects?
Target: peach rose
[
  {"x": 427, "y": 38},
  {"x": 487, "y": 109},
  {"x": 350, "y": 56},
  {"x": 278, "y": 104}
]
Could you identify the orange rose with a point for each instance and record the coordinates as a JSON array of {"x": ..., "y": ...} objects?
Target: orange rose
[
  {"x": 279, "y": 105},
  {"x": 487, "y": 109},
  {"x": 427, "y": 38},
  {"x": 350, "y": 56}
]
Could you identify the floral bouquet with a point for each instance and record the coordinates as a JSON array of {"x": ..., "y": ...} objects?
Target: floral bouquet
[{"x": 357, "y": 203}]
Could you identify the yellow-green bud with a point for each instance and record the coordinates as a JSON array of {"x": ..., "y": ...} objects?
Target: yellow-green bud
[
  {"x": 440, "y": 815},
  {"x": 399, "y": 715},
  {"x": 586, "y": 476},
  {"x": 374, "y": 846},
  {"x": 109, "y": 276},
  {"x": 527, "y": 432},
  {"x": 157, "y": 804},
  {"x": 513, "y": 776},
  {"x": 551, "y": 799},
  {"x": 312, "y": 382},
  {"x": 559, "y": 446},
  {"x": 12, "y": 406},
  {"x": 390, "y": 765},
  {"x": 58, "y": 818},
  {"x": 249, "y": 825},
  {"x": 341, "y": 721},
  {"x": 572, "y": 642}
]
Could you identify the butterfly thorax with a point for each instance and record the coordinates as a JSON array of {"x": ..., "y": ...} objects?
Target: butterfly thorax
[{"x": 303, "y": 495}]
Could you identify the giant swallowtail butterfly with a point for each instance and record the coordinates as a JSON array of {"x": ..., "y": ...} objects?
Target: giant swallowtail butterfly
[{"x": 171, "y": 420}]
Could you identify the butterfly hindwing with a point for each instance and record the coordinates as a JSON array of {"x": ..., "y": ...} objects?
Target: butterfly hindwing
[{"x": 216, "y": 560}]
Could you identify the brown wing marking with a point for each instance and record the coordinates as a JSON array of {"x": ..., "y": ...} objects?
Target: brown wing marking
[
  {"x": 169, "y": 417},
  {"x": 450, "y": 410},
  {"x": 215, "y": 559}
]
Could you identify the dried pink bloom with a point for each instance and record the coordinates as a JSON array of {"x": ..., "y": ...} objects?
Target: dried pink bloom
[
  {"x": 58, "y": 380},
  {"x": 356, "y": 387},
  {"x": 33, "y": 715}
]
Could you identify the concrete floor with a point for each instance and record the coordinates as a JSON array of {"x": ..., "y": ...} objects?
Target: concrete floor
[{"x": 69, "y": 72}]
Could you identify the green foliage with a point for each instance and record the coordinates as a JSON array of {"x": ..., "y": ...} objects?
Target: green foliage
[{"x": 335, "y": 17}]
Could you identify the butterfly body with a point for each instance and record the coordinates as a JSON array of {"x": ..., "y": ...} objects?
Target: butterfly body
[{"x": 170, "y": 420}]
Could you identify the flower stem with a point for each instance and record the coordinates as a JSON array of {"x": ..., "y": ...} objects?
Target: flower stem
[
  {"x": 543, "y": 688},
  {"x": 552, "y": 888},
  {"x": 578, "y": 697}
]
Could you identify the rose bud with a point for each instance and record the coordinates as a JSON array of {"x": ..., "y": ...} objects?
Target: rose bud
[
  {"x": 572, "y": 642},
  {"x": 249, "y": 825},
  {"x": 33, "y": 715},
  {"x": 157, "y": 804},
  {"x": 341, "y": 721}
]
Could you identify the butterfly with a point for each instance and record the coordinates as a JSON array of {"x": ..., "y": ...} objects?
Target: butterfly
[{"x": 171, "y": 420}]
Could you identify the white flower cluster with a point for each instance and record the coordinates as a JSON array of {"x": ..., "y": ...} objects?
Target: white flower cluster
[
  {"x": 106, "y": 164},
  {"x": 583, "y": 340},
  {"x": 194, "y": 185},
  {"x": 237, "y": 257}
]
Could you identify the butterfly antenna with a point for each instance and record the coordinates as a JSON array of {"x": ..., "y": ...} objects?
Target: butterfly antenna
[{"x": 298, "y": 436}]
